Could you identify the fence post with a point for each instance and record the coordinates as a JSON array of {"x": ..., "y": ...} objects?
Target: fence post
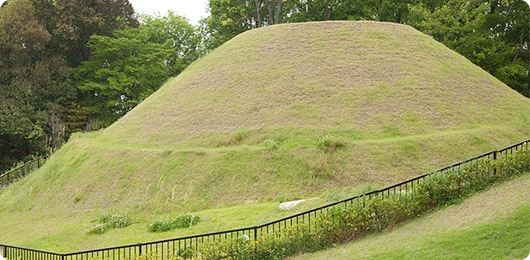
[
  {"x": 255, "y": 239},
  {"x": 495, "y": 165},
  {"x": 140, "y": 249}
]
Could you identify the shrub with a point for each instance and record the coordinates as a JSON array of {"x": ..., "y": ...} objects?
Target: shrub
[
  {"x": 115, "y": 221},
  {"x": 110, "y": 221},
  {"x": 186, "y": 221},
  {"x": 98, "y": 229},
  {"x": 329, "y": 143},
  {"x": 183, "y": 221}
]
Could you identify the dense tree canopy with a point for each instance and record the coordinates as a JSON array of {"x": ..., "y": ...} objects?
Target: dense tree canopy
[
  {"x": 493, "y": 35},
  {"x": 34, "y": 81},
  {"x": 126, "y": 69},
  {"x": 40, "y": 42}
]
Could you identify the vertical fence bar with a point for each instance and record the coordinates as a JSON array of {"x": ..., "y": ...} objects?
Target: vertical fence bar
[{"x": 494, "y": 165}]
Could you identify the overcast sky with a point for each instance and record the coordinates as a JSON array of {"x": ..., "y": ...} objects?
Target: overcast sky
[{"x": 194, "y": 10}]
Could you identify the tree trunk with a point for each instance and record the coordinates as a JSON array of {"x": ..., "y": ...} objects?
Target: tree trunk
[
  {"x": 271, "y": 15},
  {"x": 259, "y": 21},
  {"x": 278, "y": 9},
  {"x": 520, "y": 47},
  {"x": 327, "y": 10}
]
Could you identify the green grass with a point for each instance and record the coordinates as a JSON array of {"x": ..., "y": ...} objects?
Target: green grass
[
  {"x": 66, "y": 231},
  {"x": 493, "y": 224},
  {"x": 243, "y": 128}
]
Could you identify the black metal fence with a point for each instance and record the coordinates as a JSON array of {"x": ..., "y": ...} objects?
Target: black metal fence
[
  {"x": 21, "y": 171},
  {"x": 185, "y": 246}
]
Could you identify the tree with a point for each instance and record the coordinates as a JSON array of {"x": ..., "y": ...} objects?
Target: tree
[
  {"x": 122, "y": 72},
  {"x": 24, "y": 69},
  {"x": 508, "y": 19},
  {"x": 227, "y": 19},
  {"x": 125, "y": 70},
  {"x": 177, "y": 35},
  {"x": 40, "y": 42},
  {"x": 490, "y": 34},
  {"x": 78, "y": 20}
]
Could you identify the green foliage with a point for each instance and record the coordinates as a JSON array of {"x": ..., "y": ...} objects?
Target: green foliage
[
  {"x": 40, "y": 42},
  {"x": 227, "y": 19},
  {"x": 329, "y": 143},
  {"x": 72, "y": 23},
  {"x": 109, "y": 221},
  {"x": 491, "y": 34},
  {"x": 348, "y": 193},
  {"x": 122, "y": 72},
  {"x": 271, "y": 143},
  {"x": 125, "y": 70},
  {"x": 175, "y": 34},
  {"x": 32, "y": 80},
  {"x": 369, "y": 214},
  {"x": 184, "y": 221},
  {"x": 236, "y": 138}
]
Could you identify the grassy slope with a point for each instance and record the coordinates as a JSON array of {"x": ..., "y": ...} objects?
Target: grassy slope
[
  {"x": 493, "y": 224},
  {"x": 401, "y": 103}
]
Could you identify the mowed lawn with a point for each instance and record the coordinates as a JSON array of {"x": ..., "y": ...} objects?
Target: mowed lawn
[{"x": 493, "y": 224}]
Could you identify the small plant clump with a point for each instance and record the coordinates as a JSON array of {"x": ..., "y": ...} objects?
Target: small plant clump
[
  {"x": 271, "y": 143},
  {"x": 329, "y": 143},
  {"x": 184, "y": 221},
  {"x": 110, "y": 221},
  {"x": 236, "y": 138},
  {"x": 77, "y": 198}
]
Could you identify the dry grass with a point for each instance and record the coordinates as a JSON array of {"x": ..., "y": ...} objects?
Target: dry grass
[{"x": 317, "y": 77}]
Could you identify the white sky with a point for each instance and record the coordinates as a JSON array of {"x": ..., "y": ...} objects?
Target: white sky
[{"x": 194, "y": 10}]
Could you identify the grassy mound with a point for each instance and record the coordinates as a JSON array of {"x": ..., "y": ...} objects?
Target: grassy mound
[{"x": 282, "y": 112}]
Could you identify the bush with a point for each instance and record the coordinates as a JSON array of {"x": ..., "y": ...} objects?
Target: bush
[
  {"x": 98, "y": 229},
  {"x": 183, "y": 221},
  {"x": 329, "y": 143},
  {"x": 110, "y": 221}
]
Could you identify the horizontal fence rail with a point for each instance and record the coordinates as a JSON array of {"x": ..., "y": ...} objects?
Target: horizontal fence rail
[
  {"x": 21, "y": 171},
  {"x": 184, "y": 247}
]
